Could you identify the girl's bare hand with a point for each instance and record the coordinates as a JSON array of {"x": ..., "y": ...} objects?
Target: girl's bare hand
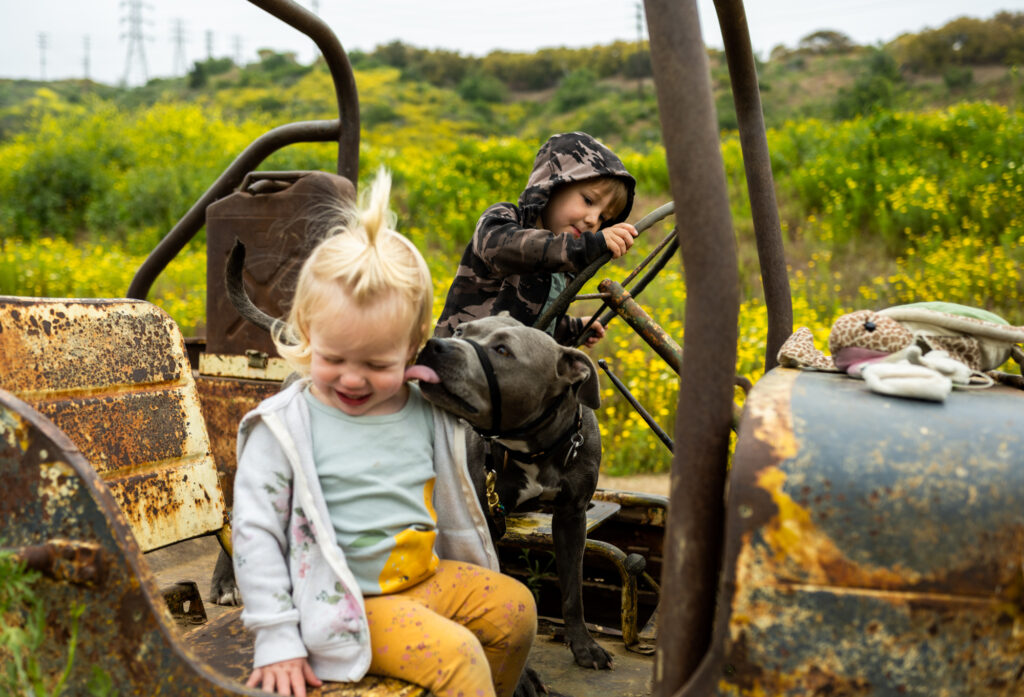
[{"x": 285, "y": 678}]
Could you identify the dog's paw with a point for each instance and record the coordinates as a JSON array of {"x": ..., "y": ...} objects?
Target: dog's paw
[
  {"x": 223, "y": 589},
  {"x": 227, "y": 595},
  {"x": 589, "y": 654}
]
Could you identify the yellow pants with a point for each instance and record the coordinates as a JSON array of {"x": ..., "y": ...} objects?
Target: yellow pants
[{"x": 464, "y": 632}]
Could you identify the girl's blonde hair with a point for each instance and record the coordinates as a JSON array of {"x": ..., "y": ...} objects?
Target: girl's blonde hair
[{"x": 361, "y": 263}]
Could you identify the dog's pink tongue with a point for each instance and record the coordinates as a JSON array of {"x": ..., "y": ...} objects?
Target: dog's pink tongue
[{"x": 421, "y": 373}]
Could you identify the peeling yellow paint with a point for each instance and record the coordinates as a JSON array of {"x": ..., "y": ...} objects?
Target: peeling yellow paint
[
  {"x": 772, "y": 417},
  {"x": 13, "y": 430},
  {"x": 810, "y": 555},
  {"x": 56, "y": 485}
]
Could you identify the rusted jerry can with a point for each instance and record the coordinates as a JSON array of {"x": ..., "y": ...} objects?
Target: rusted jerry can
[{"x": 270, "y": 214}]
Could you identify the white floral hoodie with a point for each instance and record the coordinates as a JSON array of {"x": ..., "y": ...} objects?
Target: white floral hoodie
[{"x": 300, "y": 597}]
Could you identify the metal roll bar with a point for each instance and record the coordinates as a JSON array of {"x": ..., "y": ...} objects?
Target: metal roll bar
[{"x": 344, "y": 129}]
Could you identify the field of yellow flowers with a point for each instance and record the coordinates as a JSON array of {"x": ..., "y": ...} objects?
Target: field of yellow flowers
[{"x": 892, "y": 208}]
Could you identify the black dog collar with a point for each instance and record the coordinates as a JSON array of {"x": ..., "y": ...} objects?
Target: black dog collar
[
  {"x": 495, "y": 431},
  {"x": 573, "y": 435}
]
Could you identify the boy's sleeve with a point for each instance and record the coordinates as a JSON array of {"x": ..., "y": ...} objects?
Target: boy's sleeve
[
  {"x": 507, "y": 247},
  {"x": 259, "y": 526},
  {"x": 567, "y": 329}
]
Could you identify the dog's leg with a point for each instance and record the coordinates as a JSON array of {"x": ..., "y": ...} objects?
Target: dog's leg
[
  {"x": 530, "y": 684},
  {"x": 223, "y": 589},
  {"x": 569, "y": 530}
]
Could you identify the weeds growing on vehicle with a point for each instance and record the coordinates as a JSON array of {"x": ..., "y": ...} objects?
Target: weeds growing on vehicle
[{"x": 23, "y": 634}]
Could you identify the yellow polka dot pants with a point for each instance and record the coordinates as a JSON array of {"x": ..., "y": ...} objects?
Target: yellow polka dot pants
[{"x": 464, "y": 632}]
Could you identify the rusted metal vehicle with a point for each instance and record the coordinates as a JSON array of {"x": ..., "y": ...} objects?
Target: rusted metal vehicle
[{"x": 856, "y": 544}]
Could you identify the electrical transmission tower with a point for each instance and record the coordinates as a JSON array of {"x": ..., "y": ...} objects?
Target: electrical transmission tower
[
  {"x": 85, "y": 56},
  {"x": 136, "y": 37},
  {"x": 42, "y": 56},
  {"x": 178, "y": 36}
]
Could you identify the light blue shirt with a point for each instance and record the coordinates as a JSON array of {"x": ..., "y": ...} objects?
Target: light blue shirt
[{"x": 377, "y": 475}]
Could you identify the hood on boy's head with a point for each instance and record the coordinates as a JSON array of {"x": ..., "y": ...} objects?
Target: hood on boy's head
[{"x": 566, "y": 158}]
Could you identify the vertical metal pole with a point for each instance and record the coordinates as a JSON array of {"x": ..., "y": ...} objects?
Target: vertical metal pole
[
  {"x": 693, "y": 536},
  {"x": 760, "y": 184}
]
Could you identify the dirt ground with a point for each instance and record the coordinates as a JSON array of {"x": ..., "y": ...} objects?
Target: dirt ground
[{"x": 644, "y": 483}]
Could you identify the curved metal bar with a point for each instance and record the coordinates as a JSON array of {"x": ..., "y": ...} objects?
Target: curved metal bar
[
  {"x": 341, "y": 73},
  {"x": 760, "y": 183},
  {"x": 693, "y": 536},
  {"x": 191, "y": 222},
  {"x": 665, "y": 252},
  {"x": 628, "y": 611},
  {"x": 562, "y": 301}
]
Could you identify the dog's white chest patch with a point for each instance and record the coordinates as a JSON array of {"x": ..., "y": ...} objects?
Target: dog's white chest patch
[{"x": 532, "y": 487}]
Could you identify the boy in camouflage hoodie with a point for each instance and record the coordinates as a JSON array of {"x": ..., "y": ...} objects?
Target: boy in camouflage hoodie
[{"x": 521, "y": 257}]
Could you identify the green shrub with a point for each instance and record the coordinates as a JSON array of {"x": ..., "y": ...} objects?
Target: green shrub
[
  {"x": 577, "y": 89},
  {"x": 957, "y": 76}
]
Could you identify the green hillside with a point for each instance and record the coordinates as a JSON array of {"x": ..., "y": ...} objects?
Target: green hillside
[{"x": 898, "y": 173}]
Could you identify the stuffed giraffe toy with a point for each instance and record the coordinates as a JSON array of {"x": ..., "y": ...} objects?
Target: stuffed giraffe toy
[{"x": 921, "y": 350}]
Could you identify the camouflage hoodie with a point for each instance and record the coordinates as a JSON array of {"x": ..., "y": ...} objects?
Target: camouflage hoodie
[{"x": 508, "y": 265}]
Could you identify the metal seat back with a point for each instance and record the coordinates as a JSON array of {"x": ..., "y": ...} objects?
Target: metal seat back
[{"x": 115, "y": 377}]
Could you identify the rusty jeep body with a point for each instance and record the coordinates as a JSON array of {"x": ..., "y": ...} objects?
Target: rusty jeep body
[{"x": 848, "y": 544}]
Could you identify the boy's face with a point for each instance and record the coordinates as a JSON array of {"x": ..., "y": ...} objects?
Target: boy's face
[{"x": 580, "y": 207}]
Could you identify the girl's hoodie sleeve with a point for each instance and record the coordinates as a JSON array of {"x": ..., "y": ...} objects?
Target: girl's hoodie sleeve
[
  {"x": 507, "y": 247},
  {"x": 259, "y": 522}
]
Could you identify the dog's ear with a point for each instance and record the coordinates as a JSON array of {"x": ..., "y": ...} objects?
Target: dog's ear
[{"x": 579, "y": 371}]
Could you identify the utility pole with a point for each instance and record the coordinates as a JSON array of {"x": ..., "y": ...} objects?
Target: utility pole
[
  {"x": 178, "y": 36},
  {"x": 238, "y": 49},
  {"x": 42, "y": 56},
  {"x": 136, "y": 38},
  {"x": 639, "y": 50},
  {"x": 209, "y": 44}
]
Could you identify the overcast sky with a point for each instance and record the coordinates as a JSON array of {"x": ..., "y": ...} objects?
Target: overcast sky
[{"x": 54, "y": 39}]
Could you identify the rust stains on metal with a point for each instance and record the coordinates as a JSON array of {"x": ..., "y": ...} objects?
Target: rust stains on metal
[
  {"x": 66, "y": 560},
  {"x": 795, "y": 541},
  {"x": 224, "y": 402},
  {"x": 771, "y": 417},
  {"x": 657, "y": 338},
  {"x": 885, "y": 562},
  {"x": 270, "y": 368},
  {"x": 120, "y": 343},
  {"x": 113, "y": 375}
]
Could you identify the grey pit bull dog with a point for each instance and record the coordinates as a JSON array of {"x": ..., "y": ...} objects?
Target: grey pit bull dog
[{"x": 530, "y": 402}]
